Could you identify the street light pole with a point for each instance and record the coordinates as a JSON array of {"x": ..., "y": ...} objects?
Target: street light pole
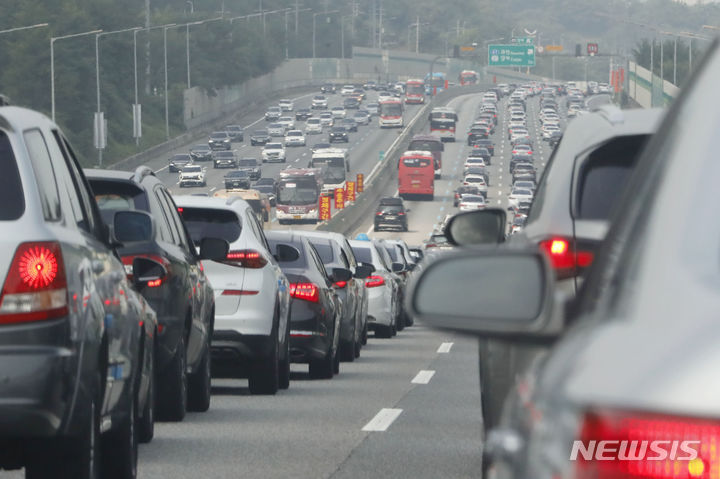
[
  {"x": 167, "y": 118},
  {"x": 99, "y": 126},
  {"x": 52, "y": 65},
  {"x": 417, "y": 35},
  {"x": 18, "y": 29}
]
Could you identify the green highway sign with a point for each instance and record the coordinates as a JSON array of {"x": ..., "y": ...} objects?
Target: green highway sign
[
  {"x": 523, "y": 40},
  {"x": 511, "y": 55}
]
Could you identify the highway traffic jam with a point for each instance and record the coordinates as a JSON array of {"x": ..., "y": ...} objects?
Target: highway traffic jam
[{"x": 212, "y": 295}]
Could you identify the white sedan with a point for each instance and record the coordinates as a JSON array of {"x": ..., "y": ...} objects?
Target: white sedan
[
  {"x": 517, "y": 195},
  {"x": 294, "y": 138},
  {"x": 472, "y": 202},
  {"x": 273, "y": 152}
]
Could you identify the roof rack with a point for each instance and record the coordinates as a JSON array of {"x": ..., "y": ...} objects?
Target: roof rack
[{"x": 141, "y": 172}]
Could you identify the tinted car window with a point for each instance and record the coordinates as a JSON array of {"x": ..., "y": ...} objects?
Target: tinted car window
[
  {"x": 604, "y": 175},
  {"x": 389, "y": 209},
  {"x": 363, "y": 255},
  {"x": 325, "y": 251},
  {"x": 299, "y": 263},
  {"x": 206, "y": 222},
  {"x": 11, "y": 192},
  {"x": 44, "y": 174}
]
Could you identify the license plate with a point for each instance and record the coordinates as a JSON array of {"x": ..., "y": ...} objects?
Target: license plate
[
  {"x": 391, "y": 217},
  {"x": 297, "y": 217}
]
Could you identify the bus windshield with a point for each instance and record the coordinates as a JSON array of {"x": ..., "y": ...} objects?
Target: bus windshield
[
  {"x": 297, "y": 192},
  {"x": 334, "y": 172},
  {"x": 415, "y": 89},
  {"x": 391, "y": 109}
]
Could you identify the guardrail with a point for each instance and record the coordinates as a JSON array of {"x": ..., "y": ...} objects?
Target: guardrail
[{"x": 347, "y": 219}]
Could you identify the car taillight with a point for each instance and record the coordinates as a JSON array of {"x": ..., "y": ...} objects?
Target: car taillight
[
  {"x": 306, "y": 291},
  {"x": 340, "y": 284},
  {"x": 644, "y": 445},
  {"x": 374, "y": 281},
  {"x": 566, "y": 261},
  {"x": 246, "y": 258},
  {"x": 35, "y": 288}
]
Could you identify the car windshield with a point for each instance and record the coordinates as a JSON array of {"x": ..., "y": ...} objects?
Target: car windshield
[
  {"x": 192, "y": 169},
  {"x": 273, "y": 146},
  {"x": 521, "y": 192},
  {"x": 218, "y": 135}
]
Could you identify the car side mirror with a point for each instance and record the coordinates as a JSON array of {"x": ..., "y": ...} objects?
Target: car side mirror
[
  {"x": 476, "y": 291},
  {"x": 478, "y": 227},
  {"x": 362, "y": 271},
  {"x": 341, "y": 274},
  {"x": 398, "y": 268},
  {"x": 214, "y": 249},
  {"x": 147, "y": 271},
  {"x": 132, "y": 227},
  {"x": 286, "y": 253}
]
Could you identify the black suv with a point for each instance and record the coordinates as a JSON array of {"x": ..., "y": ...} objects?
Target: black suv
[
  {"x": 259, "y": 137},
  {"x": 183, "y": 299},
  {"x": 391, "y": 212},
  {"x": 201, "y": 153},
  {"x": 220, "y": 140},
  {"x": 351, "y": 103},
  {"x": 303, "y": 114},
  {"x": 327, "y": 88},
  {"x": 238, "y": 179},
  {"x": 252, "y": 166},
  {"x": 236, "y": 132},
  {"x": 338, "y": 133}
]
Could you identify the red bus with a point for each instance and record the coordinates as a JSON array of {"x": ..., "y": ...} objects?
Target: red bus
[
  {"x": 415, "y": 91},
  {"x": 442, "y": 123},
  {"x": 416, "y": 175},
  {"x": 430, "y": 143},
  {"x": 468, "y": 77}
]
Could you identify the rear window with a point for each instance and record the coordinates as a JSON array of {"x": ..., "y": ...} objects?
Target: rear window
[
  {"x": 112, "y": 196},
  {"x": 416, "y": 162},
  {"x": 604, "y": 174},
  {"x": 211, "y": 223},
  {"x": 425, "y": 145},
  {"x": 11, "y": 192}
]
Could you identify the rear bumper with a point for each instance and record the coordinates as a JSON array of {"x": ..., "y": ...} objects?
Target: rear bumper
[
  {"x": 37, "y": 387},
  {"x": 379, "y": 307},
  {"x": 230, "y": 345},
  {"x": 310, "y": 334}
]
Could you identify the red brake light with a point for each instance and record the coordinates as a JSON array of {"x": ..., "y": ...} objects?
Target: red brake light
[
  {"x": 306, "y": 291},
  {"x": 155, "y": 283},
  {"x": 35, "y": 288},
  {"x": 247, "y": 259},
  {"x": 661, "y": 446},
  {"x": 340, "y": 284},
  {"x": 374, "y": 281},
  {"x": 564, "y": 259}
]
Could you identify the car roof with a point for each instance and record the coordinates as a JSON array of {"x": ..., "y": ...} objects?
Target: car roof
[{"x": 235, "y": 203}]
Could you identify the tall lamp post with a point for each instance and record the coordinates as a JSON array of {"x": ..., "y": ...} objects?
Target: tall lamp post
[
  {"x": 167, "y": 117},
  {"x": 187, "y": 43},
  {"x": 315, "y": 15},
  {"x": 52, "y": 65},
  {"x": 99, "y": 124}
]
